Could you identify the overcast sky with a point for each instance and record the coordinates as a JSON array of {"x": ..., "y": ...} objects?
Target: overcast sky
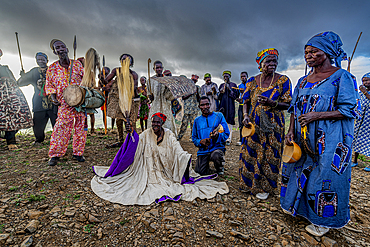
[{"x": 190, "y": 36}]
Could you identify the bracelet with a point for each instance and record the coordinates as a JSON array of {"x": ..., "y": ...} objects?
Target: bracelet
[
  {"x": 245, "y": 114},
  {"x": 275, "y": 105}
]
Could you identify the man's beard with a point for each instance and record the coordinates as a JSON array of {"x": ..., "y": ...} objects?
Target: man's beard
[{"x": 63, "y": 55}]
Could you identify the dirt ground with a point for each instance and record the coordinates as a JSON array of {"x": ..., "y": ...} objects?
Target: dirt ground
[{"x": 55, "y": 206}]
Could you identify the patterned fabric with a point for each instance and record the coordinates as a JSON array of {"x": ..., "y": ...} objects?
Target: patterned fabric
[
  {"x": 113, "y": 108},
  {"x": 204, "y": 89},
  {"x": 160, "y": 115},
  {"x": 317, "y": 186},
  {"x": 162, "y": 103},
  {"x": 175, "y": 107},
  {"x": 14, "y": 111},
  {"x": 194, "y": 77},
  {"x": 144, "y": 105},
  {"x": 241, "y": 87},
  {"x": 57, "y": 80},
  {"x": 361, "y": 143},
  {"x": 187, "y": 118},
  {"x": 261, "y": 153},
  {"x": 263, "y": 54},
  {"x": 191, "y": 103},
  {"x": 367, "y": 75},
  {"x": 191, "y": 111},
  {"x": 167, "y": 73},
  {"x": 62, "y": 133},
  {"x": 330, "y": 43}
]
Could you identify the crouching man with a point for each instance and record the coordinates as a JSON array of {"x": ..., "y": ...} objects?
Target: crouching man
[{"x": 210, "y": 132}]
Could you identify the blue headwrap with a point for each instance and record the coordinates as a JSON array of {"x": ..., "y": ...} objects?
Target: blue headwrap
[
  {"x": 330, "y": 43},
  {"x": 367, "y": 75},
  {"x": 42, "y": 54}
]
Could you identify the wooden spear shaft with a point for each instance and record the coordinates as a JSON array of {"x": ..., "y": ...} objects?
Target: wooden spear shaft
[
  {"x": 350, "y": 59},
  {"x": 19, "y": 51},
  {"x": 74, "y": 58}
]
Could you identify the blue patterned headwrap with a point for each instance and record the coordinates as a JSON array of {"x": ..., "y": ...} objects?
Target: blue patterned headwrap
[
  {"x": 42, "y": 54},
  {"x": 330, "y": 43},
  {"x": 367, "y": 75}
]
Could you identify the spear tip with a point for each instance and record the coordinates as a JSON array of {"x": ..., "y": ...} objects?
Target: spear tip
[{"x": 74, "y": 43}]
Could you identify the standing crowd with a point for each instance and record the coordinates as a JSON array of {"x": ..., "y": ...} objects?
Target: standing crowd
[{"x": 328, "y": 118}]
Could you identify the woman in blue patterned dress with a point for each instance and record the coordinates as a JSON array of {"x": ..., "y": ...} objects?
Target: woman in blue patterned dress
[
  {"x": 361, "y": 143},
  {"x": 323, "y": 109},
  {"x": 266, "y": 97}
]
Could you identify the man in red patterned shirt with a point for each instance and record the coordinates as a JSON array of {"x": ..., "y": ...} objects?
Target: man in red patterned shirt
[{"x": 57, "y": 80}]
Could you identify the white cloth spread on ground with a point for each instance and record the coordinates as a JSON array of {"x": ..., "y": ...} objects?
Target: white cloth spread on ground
[{"x": 156, "y": 171}]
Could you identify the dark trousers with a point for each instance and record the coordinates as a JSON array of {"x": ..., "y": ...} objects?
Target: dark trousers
[
  {"x": 202, "y": 165},
  {"x": 10, "y": 137},
  {"x": 240, "y": 120},
  {"x": 40, "y": 119}
]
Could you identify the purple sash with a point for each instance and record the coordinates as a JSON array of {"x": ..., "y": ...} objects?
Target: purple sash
[
  {"x": 124, "y": 157},
  {"x": 186, "y": 179}
]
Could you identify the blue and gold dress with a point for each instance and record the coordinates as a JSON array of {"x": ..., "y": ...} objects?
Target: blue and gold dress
[
  {"x": 260, "y": 154},
  {"x": 317, "y": 185}
]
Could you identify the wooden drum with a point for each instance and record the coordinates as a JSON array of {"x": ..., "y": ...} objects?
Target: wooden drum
[{"x": 74, "y": 95}]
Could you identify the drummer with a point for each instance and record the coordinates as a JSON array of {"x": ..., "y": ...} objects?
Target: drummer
[
  {"x": 57, "y": 80},
  {"x": 113, "y": 108}
]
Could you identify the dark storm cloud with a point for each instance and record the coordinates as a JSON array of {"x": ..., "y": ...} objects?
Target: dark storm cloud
[{"x": 188, "y": 36}]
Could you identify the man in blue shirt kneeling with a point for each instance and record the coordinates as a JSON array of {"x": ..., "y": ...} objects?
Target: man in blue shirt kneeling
[{"x": 210, "y": 132}]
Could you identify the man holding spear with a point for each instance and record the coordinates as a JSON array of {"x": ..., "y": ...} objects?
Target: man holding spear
[
  {"x": 59, "y": 76},
  {"x": 42, "y": 107}
]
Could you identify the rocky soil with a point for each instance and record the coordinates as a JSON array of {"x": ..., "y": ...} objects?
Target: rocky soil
[{"x": 55, "y": 206}]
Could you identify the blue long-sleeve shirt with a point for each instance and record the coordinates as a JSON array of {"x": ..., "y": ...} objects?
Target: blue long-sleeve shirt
[{"x": 203, "y": 126}]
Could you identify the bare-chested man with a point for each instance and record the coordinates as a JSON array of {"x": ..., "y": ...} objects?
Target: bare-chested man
[{"x": 113, "y": 108}]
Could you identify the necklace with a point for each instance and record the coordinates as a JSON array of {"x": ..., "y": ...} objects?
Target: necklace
[{"x": 273, "y": 75}]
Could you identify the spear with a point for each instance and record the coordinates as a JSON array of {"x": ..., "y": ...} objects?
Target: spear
[
  {"x": 74, "y": 58},
  {"x": 105, "y": 102},
  {"x": 19, "y": 50},
  {"x": 350, "y": 59}
]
